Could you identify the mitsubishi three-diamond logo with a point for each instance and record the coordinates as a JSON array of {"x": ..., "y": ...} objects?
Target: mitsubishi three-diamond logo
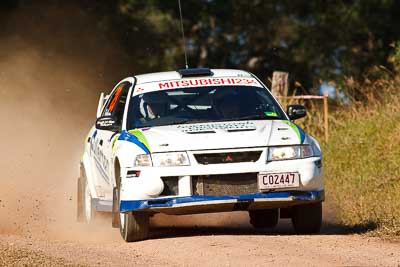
[{"x": 228, "y": 158}]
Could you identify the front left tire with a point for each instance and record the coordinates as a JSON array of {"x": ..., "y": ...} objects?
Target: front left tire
[{"x": 134, "y": 226}]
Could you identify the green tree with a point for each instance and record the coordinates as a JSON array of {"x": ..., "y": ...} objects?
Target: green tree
[{"x": 313, "y": 40}]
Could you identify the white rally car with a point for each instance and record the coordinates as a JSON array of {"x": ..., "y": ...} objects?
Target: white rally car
[{"x": 197, "y": 141}]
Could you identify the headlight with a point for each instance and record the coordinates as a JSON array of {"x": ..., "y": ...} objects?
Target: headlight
[
  {"x": 289, "y": 152},
  {"x": 162, "y": 159},
  {"x": 170, "y": 159},
  {"x": 143, "y": 160}
]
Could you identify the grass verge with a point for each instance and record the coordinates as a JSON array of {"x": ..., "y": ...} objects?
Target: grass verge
[{"x": 362, "y": 167}]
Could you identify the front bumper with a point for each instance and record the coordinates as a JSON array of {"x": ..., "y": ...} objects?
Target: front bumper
[
  {"x": 203, "y": 203},
  {"x": 150, "y": 183}
]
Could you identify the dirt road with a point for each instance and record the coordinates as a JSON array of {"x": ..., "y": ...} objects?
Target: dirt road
[{"x": 230, "y": 245}]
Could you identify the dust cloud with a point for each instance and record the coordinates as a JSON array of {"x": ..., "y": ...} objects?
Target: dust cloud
[{"x": 53, "y": 64}]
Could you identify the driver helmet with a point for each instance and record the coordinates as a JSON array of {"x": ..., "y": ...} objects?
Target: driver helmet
[{"x": 153, "y": 105}]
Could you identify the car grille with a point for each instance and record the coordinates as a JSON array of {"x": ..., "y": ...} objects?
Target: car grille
[
  {"x": 225, "y": 184},
  {"x": 228, "y": 157}
]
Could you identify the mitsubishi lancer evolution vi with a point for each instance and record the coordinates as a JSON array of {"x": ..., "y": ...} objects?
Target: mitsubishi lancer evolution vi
[{"x": 197, "y": 141}]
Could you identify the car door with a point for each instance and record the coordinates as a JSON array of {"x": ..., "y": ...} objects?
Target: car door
[{"x": 103, "y": 141}]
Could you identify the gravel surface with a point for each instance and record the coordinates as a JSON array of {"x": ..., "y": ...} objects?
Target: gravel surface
[{"x": 181, "y": 245}]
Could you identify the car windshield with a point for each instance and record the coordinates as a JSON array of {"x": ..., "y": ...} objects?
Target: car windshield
[{"x": 202, "y": 104}]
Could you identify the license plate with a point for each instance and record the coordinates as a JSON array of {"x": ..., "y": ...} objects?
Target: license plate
[{"x": 267, "y": 180}]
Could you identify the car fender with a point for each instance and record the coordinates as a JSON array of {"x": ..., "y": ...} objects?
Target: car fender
[{"x": 126, "y": 152}]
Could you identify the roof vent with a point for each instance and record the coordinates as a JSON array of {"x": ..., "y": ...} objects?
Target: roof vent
[{"x": 195, "y": 72}]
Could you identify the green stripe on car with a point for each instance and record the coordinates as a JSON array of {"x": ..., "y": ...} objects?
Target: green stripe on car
[
  {"x": 296, "y": 129},
  {"x": 140, "y": 136}
]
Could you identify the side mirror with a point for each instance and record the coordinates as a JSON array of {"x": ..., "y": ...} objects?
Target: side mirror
[
  {"x": 108, "y": 123},
  {"x": 296, "y": 111}
]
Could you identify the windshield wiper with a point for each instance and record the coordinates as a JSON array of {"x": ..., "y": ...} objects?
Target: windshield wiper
[
  {"x": 250, "y": 117},
  {"x": 188, "y": 121},
  {"x": 253, "y": 117}
]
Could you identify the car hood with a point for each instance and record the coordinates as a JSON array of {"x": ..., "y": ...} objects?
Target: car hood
[{"x": 219, "y": 135}]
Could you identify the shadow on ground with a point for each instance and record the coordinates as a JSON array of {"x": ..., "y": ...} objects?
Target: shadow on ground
[
  {"x": 329, "y": 228},
  {"x": 284, "y": 228}
]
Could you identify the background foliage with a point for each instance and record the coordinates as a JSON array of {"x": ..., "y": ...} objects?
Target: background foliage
[{"x": 312, "y": 40}]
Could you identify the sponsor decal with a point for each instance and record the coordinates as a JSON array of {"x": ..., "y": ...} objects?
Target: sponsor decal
[
  {"x": 195, "y": 82},
  {"x": 207, "y": 81},
  {"x": 101, "y": 160},
  {"x": 105, "y": 122},
  {"x": 232, "y": 126},
  {"x": 210, "y": 127}
]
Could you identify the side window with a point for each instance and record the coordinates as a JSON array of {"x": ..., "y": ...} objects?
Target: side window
[{"x": 116, "y": 103}]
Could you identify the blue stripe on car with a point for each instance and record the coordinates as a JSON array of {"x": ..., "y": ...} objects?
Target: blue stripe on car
[
  {"x": 302, "y": 134},
  {"x": 126, "y": 136},
  {"x": 297, "y": 196}
]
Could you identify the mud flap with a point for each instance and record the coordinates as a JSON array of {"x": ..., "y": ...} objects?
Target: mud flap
[
  {"x": 80, "y": 209},
  {"x": 115, "y": 208}
]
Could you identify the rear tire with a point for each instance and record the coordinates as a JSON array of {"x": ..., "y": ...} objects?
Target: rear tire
[
  {"x": 307, "y": 219},
  {"x": 267, "y": 218},
  {"x": 134, "y": 227},
  {"x": 80, "y": 202},
  {"x": 85, "y": 211},
  {"x": 88, "y": 211}
]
